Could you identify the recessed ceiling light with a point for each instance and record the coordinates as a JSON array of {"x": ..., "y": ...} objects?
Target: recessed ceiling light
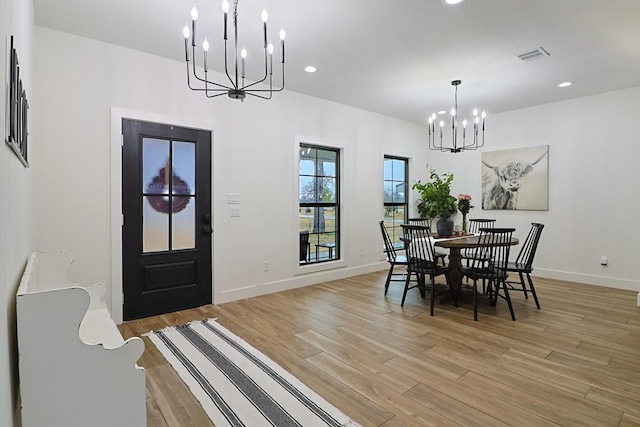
[
  {"x": 310, "y": 69},
  {"x": 442, "y": 112},
  {"x": 565, "y": 84},
  {"x": 452, "y": 2}
]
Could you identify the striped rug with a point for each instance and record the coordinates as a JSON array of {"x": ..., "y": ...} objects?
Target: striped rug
[{"x": 236, "y": 384}]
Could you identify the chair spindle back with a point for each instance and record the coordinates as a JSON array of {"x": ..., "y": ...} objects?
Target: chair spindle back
[
  {"x": 528, "y": 250},
  {"x": 492, "y": 251},
  {"x": 418, "y": 244},
  {"x": 476, "y": 224},
  {"x": 388, "y": 244}
]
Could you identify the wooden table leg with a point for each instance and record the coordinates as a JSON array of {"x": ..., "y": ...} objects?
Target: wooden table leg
[{"x": 455, "y": 272}]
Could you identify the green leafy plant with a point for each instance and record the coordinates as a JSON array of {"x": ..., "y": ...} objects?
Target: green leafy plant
[{"x": 435, "y": 196}]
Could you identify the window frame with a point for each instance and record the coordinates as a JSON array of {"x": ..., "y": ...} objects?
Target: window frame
[
  {"x": 337, "y": 250},
  {"x": 404, "y": 204}
]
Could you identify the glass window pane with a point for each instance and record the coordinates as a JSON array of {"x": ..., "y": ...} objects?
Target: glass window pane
[
  {"x": 388, "y": 192},
  {"x": 307, "y": 166},
  {"x": 183, "y": 223},
  {"x": 307, "y": 189},
  {"x": 184, "y": 167},
  {"x": 398, "y": 170},
  {"x": 306, "y": 219},
  {"x": 155, "y": 224},
  {"x": 327, "y": 163},
  {"x": 155, "y": 162},
  {"x": 329, "y": 219},
  {"x": 387, "y": 172},
  {"x": 325, "y": 247},
  {"x": 398, "y": 192},
  {"x": 323, "y": 220},
  {"x": 327, "y": 190},
  {"x": 328, "y": 169}
]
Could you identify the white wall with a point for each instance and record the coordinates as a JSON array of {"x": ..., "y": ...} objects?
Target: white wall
[
  {"x": 81, "y": 80},
  {"x": 254, "y": 154},
  {"x": 594, "y": 198},
  {"x": 16, "y": 18}
]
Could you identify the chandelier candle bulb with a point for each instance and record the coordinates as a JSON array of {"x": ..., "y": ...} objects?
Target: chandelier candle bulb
[
  {"x": 270, "y": 50},
  {"x": 243, "y": 54},
  {"x": 194, "y": 17},
  {"x": 283, "y": 35},
  {"x": 225, "y": 9},
  {"x": 185, "y": 33},
  {"x": 264, "y": 17},
  {"x": 205, "y": 47}
]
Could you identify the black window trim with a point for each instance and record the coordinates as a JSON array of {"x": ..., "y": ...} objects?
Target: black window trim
[{"x": 337, "y": 250}]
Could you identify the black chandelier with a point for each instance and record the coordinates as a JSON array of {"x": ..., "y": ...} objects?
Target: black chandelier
[
  {"x": 457, "y": 146},
  {"x": 236, "y": 88}
]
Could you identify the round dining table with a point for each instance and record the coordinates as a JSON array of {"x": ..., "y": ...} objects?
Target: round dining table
[{"x": 455, "y": 244}]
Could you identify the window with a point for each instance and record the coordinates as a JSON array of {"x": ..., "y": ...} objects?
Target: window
[
  {"x": 395, "y": 188},
  {"x": 319, "y": 208}
]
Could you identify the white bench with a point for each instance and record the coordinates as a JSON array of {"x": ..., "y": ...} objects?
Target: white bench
[{"x": 75, "y": 367}]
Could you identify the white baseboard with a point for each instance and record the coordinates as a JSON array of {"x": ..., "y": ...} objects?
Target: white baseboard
[
  {"x": 298, "y": 282},
  {"x": 609, "y": 282}
]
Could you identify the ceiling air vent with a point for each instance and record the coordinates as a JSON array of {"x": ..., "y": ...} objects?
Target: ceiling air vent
[{"x": 532, "y": 54}]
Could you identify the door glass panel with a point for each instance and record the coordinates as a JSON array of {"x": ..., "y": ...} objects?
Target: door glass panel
[
  {"x": 155, "y": 224},
  {"x": 155, "y": 162},
  {"x": 184, "y": 170},
  {"x": 184, "y": 224}
]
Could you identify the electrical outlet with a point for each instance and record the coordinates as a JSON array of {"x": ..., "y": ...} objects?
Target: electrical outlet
[
  {"x": 604, "y": 260},
  {"x": 265, "y": 266}
]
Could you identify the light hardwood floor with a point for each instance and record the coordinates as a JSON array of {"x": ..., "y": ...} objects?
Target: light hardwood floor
[{"x": 574, "y": 362}]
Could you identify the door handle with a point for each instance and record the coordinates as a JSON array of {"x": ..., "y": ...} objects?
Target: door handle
[{"x": 206, "y": 224}]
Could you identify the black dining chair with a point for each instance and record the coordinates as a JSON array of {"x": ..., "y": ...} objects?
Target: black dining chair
[
  {"x": 393, "y": 258},
  {"x": 475, "y": 224},
  {"x": 424, "y": 222},
  {"x": 490, "y": 265},
  {"x": 423, "y": 262},
  {"x": 305, "y": 246},
  {"x": 524, "y": 262}
]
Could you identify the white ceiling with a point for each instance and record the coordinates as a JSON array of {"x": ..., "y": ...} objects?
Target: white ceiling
[{"x": 397, "y": 57}]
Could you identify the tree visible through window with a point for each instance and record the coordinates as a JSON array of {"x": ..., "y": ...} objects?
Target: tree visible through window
[
  {"x": 319, "y": 202},
  {"x": 395, "y": 187}
]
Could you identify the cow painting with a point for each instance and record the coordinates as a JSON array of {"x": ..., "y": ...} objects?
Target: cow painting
[{"x": 515, "y": 179}]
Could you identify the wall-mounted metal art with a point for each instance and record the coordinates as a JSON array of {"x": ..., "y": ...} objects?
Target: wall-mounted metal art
[{"x": 17, "y": 106}]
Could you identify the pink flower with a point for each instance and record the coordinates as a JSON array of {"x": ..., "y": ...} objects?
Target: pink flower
[{"x": 464, "y": 203}]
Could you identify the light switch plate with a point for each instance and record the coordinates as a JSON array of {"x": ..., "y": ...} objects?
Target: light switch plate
[
  {"x": 233, "y": 198},
  {"x": 234, "y": 211}
]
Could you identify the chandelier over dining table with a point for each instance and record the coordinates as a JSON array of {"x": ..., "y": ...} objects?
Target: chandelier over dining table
[
  {"x": 476, "y": 139},
  {"x": 236, "y": 87}
]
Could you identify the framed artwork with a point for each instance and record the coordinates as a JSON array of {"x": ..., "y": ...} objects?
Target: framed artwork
[
  {"x": 516, "y": 179},
  {"x": 17, "y": 106}
]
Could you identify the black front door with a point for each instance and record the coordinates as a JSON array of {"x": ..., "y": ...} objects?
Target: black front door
[{"x": 166, "y": 231}]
